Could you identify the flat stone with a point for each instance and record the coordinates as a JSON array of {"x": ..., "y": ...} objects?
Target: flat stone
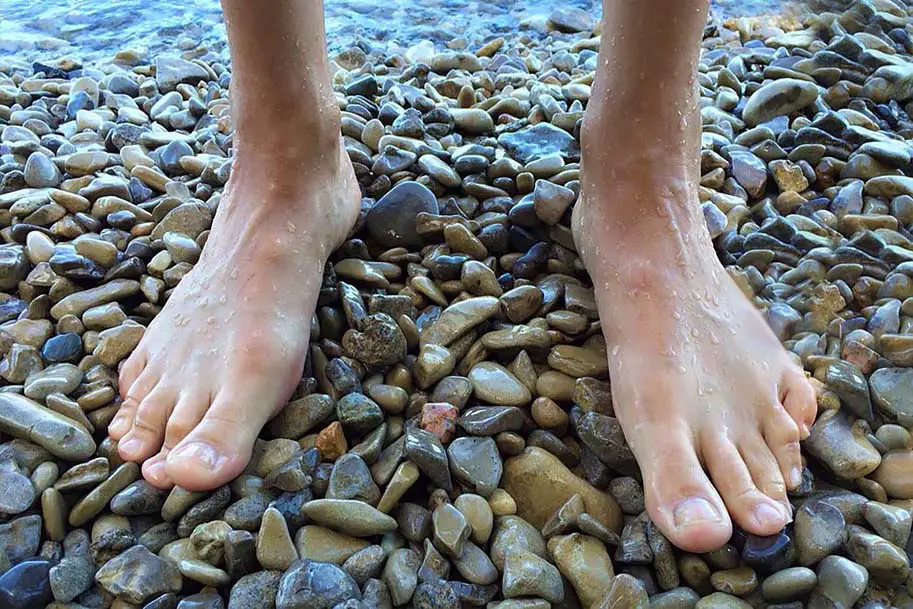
[
  {"x": 779, "y": 97},
  {"x": 96, "y": 500},
  {"x": 365, "y": 564},
  {"x": 401, "y": 575},
  {"x": 71, "y": 577},
  {"x": 891, "y": 522},
  {"x": 493, "y": 383},
  {"x": 540, "y": 140},
  {"x": 789, "y": 585},
  {"x": 255, "y": 590},
  {"x": 24, "y": 418},
  {"x": 325, "y": 545},
  {"x": 275, "y": 550},
  {"x": 840, "y": 583},
  {"x": 459, "y": 318},
  {"x": 842, "y": 445},
  {"x": 349, "y": 517},
  {"x": 172, "y": 71},
  {"x": 540, "y": 484},
  {"x": 20, "y": 538},
  {"x": 819, "y": 530},
  {"x": 476, "y": 464},
  {"x": 138, "y": 575}
]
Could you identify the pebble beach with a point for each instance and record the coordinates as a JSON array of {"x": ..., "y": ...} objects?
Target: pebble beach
[{"x": 452, "y": 442}]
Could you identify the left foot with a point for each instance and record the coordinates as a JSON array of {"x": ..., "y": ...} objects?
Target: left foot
[{"x": 698, "y": 379}]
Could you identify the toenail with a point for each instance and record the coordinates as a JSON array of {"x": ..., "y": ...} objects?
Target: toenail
[
  {"x": 197, "y": 451},
  {"x": 694, "y": 510},
  {"x": 766, "y": 513},
  {"x": 795, "y": 477},
  {"x": 130, "y": 446}
]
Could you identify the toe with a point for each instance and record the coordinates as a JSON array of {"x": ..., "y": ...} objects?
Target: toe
[
  {"x": 130, "y": 370},
  {"x": 782, "y": 436},
  {"x": 145, "y": 436},
  {"x": 798, "y": 397},
  {"x": 186, "y": 415},
  {"x": 765, "y": 470},
  {"x": 123, "y": 420},
  {"x": 154, "y": 470},
  {"x": 750, "y": 508},
  {"x": 218, "y": 448},
  {"x": 680, "y": 499}
]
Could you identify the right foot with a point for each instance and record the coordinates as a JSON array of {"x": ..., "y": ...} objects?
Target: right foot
[{"x": 229, "y": 347}]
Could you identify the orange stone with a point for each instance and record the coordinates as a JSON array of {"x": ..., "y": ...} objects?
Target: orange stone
[
  {"x": 895, "y": 474},
  {"x": 331, "y": 442}
]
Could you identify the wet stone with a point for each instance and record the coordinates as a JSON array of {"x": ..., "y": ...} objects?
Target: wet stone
[
  {"x": 476, "y": 464},
  {"x": 427, "y": 452},
  {"x": 26, "y": 585},
  {"x": 138, "y": 499},
  {"x": 401, "y": 575},
  {"x": 768, "y": 554},
  {"x": 315, "y": 585},
  {"x": 365, "y": 564},
  {"x": 526, "y": 574},
  {"x": 818, "y": 530},
  {"x": 71, "y": 577},
  {"x": 351, "y": 479},
  {"x": 358, "y": 413},
  {"x": 138, "y": 575},
  {"x": 255, "y": 590},
  {"x": 391, "y": 221}
]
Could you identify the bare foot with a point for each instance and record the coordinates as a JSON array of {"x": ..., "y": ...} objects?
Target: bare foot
[
  {"x": 699, "y": 381},
  {"x": 229, "y": 347}
]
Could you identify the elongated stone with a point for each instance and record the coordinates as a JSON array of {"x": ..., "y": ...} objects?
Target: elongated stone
[{"x": 23, "y": 418}]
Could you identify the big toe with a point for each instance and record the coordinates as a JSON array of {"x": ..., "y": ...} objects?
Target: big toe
[
  {"x": 216, "y": 451},
  {"x": 680, "y": 499}
]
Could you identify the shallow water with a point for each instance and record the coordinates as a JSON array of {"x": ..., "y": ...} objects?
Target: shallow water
[{"x": 92, "y": 30}]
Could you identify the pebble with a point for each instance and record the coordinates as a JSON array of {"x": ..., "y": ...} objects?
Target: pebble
[
  {"x": 526, "y": 574},
  {"x": 26, "y": 585},
  {"x": 539, "y": 483},
  {"x": 495, "y": 384},
  {"x": 895, "y": 474},
  {"x": 255, "y": 590},
  {"x": 401, "y": 575},
  {"x": 24, "y": 418},
  {"x": 391, "y": 221},
  {"x": 325, "y": 545},
  {"x": 476, "y": 464},
  {"x": 315, "y": 585},
  {"x": 349, "y": 517},
  {"x": 275, "y": 549},
  {"x": 136, "y": 575},
  {"x": 819, "y": 531}
]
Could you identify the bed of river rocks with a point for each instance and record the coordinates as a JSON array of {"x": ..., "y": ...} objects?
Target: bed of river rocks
[{"x": 452, "y": 441}]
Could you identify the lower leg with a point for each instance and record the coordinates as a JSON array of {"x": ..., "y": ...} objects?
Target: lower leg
[
  {"x": 699, "y": 381},
  {"x": 229, "y": 347}
]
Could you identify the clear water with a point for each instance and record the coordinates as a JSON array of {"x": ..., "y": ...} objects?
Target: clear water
[{"x": 92, "y": 30}]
